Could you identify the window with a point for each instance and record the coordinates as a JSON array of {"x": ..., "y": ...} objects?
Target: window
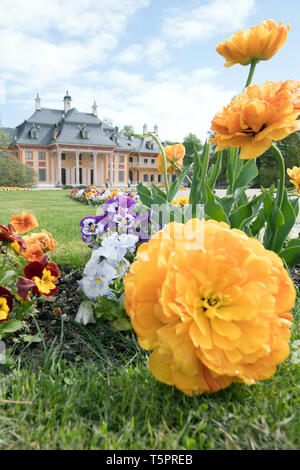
[
  {"x": 146, "y": 160},
  {"x": 158, "y": 178},
  {"x": 42, "y": 174},
  {"x": 80, "y": 175},
  {"x": 121, "y": 159},
  {"x": 153, "y": 161},
  {"x": 91, "y": 158},
  {"x": 42, "y": 156},
  {"x": 63, "y": 156},
  {"x": 130, "y": 159},
  {"x": 152, "y": 178},
  {"x": 80, "y": 157},
  {"x": 28, "y": 156},
  {"x": 34, "y": 133},
  {"x": 121, "y": 176},
  {"x": 145, "y": 178}
]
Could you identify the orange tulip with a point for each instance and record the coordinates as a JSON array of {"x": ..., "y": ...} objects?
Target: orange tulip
[
  {"x": 294, "y": 174},
  {"x": 213, "y": 309},
  {"x": 174, "y": 155},
  {"x": 24, "y": 222},
  {"x": 257, "y": 117},
  {"x": 257, "y": 43}
]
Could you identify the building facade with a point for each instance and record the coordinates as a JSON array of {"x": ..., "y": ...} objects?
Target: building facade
[{"x": 70, "y": 147}]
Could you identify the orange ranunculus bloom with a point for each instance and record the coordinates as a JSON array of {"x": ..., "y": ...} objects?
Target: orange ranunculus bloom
[
  {"x": 294, "y": 174},
  {"x": 257, "y": 43},
  {"x": 212, "y": 304},
  {"x": 44, "y": 238},
  {"x": 257, "y": 117},
  {"x": 174, "y": 154},
  {"x": 24, "y": 222}
]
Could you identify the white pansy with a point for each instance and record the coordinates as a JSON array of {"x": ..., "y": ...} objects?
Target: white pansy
[
  {"x": 85, "y": 313},
  {"x": 97, "y": 278}
]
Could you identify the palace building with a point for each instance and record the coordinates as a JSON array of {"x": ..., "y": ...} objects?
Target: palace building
[{"x": 70, "y": 147}]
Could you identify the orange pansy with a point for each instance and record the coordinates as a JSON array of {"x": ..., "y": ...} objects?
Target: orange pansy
[{"x": 24, "y": 222}]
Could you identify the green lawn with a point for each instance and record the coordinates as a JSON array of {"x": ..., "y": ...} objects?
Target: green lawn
[
  {"x": 108, "y": 399},
  {"x": 57, "y": 213}
]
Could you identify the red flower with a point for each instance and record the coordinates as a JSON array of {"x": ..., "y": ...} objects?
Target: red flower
[
  {"x": 45, "y": 275},
  {"x": 7, "y": 235},
  {"x": 6, "y": 304}
]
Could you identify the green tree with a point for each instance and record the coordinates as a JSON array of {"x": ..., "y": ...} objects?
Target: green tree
[
  {"x": 268, "y": 172},
  {"x": 13, "y": 173},
  {"x": 128, "y": 129},
  {"x": 190, "y": 142}
]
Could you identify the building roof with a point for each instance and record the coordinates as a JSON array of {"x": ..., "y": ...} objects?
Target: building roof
[{"x": 47, "y": 126}]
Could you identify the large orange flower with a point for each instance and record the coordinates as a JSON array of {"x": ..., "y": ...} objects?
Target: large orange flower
[
  {"x": 44, "y": 238},
  {"x": 257, "y": 43},
  {"x": 24, "y": 222},
  {"x": 257, "y": 117},
  {"x": 294, "y": 174},
  {"x": 212, "y": 304},
  {"x": 174, "y": 155}
]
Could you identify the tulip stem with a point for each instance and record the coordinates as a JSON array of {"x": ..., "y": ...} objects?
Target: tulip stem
[
  {"x": 164, "y": 158},
  {"x": 181, "y": 171},
  {"x": 281, "y": 184},
  {"x": 251, "y": 72}
]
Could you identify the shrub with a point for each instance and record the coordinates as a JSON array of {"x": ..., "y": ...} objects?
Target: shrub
[{"x": 15, "y": 173}]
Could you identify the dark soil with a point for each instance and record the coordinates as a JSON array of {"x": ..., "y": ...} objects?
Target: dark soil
[{"x": 59, "y": 331}]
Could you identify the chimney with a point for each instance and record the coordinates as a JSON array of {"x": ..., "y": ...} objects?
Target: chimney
[
  {"x": 145, "y": 129},
  {"x": 94, "y": 108},
  {"x": 155, "y": 131},
  {"x": 38, "y": 103},
  {"x": 67, "y": 102}
]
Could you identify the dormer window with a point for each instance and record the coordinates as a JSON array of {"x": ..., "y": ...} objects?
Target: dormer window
[
  {"x": 34, "y": 133},
  {"x": 55, "y": 134},
  {"x": 149, "y": 145},
  {"x": 85, "y": 134}
]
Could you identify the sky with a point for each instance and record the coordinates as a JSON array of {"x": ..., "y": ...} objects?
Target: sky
[{"x": 143, "y": 61}]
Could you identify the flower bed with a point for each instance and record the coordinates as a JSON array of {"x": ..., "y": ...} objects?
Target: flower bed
[
  {"x": 11, "y": 188},
  {"x": 97, "y": 197},
  {"x": 26, "y": 272}
]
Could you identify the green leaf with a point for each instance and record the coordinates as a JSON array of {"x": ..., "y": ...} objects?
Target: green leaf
[
  {"x": 241, "y": 216},
  {"x": 158, "y": 196},
  {"x": 213, "y": 208},
  {"x": 215, "y": 171},
  {"x": 289, "y": 221},
  {"x": 7, "y": 276},
  {"x": 121, "y": 324},
  {"x": 291, "y": 255},
  {"x": 247, "y": 174},
  {"x": 145, "y": 195},
  {"x": 10, "y": 326},
  {"x": 176, "y": 184}
]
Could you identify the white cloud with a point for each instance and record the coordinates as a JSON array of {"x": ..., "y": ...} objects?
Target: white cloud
[
  {"x": 182, "y": 27},
  {"x": 131, "y": 55},
  {"x": 156, "y": 53}
]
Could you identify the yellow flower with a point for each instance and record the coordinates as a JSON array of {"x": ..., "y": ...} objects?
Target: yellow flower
[
  {"x": 257, "y": 43},
  {"x": 257, "y": 117},
  {"x": 212, "y": 304},
  {"x": 294, "y": 174},
  {"x": 174, "y": 155},
  {"x": 45, "y": 284},
  {"x": 180, "y": 201},
  {"x": 4, "y": 309}
]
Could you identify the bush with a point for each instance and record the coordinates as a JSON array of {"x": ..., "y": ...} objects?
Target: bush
[{"x": 15, "y": 173}]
